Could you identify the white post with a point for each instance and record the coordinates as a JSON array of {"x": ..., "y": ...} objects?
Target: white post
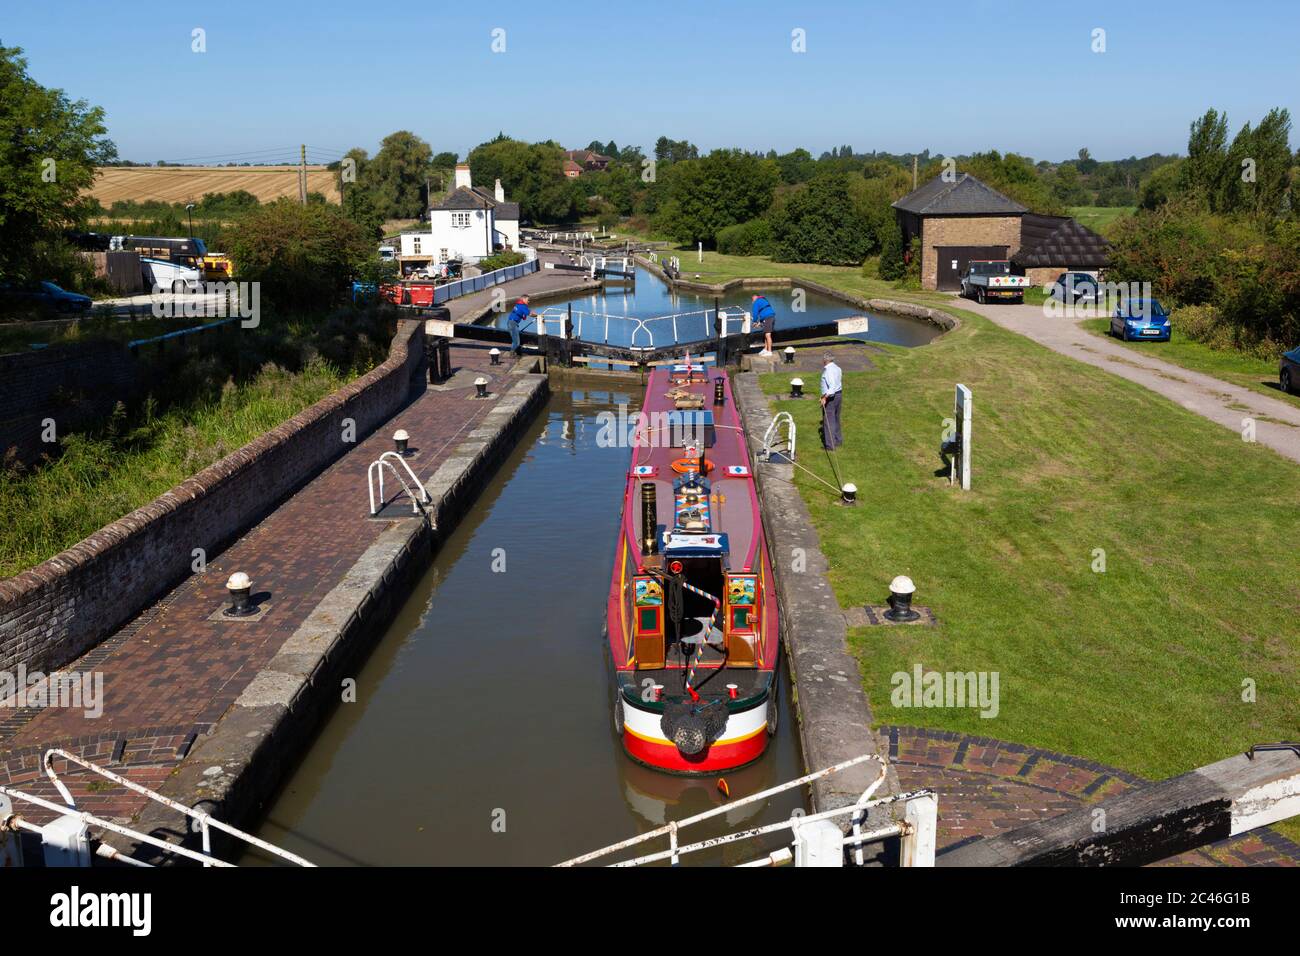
[
  {"x": 922, "y": 814},
  {"x": 700, "y": 248},
  {"x": 818, "y": 843}
]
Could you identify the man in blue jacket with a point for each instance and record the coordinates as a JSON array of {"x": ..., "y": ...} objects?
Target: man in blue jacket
[
  {"x": 764, "y": 317},
  {"x": 516, "y": 318}
]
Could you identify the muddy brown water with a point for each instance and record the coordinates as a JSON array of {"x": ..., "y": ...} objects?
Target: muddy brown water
[{"x": 482, "y": 731}]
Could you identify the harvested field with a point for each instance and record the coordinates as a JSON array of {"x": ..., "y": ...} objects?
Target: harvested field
[{"x": 190, "y": 183}]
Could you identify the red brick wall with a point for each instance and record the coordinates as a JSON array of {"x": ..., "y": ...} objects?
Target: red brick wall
[{"x": 56, "y": 611}]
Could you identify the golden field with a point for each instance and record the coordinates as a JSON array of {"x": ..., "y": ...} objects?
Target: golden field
[{"x": 190, "y": 183}]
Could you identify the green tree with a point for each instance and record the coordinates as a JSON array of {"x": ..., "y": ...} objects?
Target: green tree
[
  {"x": 397, "y": 176},
  {"x": 49, "y": 148},
  {"x": 304, "y": 256},
  {"x": 819, "y": 224},
  {"x": 532, "y": 175},
  {"x": 722, "y": 189},
  {"x": 1207, "y": 172}
]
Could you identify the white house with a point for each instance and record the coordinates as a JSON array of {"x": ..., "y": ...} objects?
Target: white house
[{"x": 469, "y": 224}]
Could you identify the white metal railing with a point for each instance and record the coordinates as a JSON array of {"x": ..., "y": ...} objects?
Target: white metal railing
[
  {"x": 917, "y": 828},
  {"x": 205, "y": 822},
  {"x": 386, "y": 461},
  {"x": 771, "y": 437},
  {"x": 657, "y": 331},
  {"x": 453, "y": 290}
]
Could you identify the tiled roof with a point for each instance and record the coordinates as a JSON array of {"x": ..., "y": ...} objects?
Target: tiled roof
[
  {"x": 465, "y": 198},
  {"x": 1059, "y": 241},
  {"x": 964, "y": 196}
]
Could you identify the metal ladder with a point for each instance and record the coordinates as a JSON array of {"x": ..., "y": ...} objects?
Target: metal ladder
[
  {"x": 773, "y": 434},
  {"x": 67, "y": 842},
  {"x": 386, "y": 461}
]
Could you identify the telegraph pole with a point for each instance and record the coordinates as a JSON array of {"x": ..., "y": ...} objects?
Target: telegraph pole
[{"x": 302, "y": 176}]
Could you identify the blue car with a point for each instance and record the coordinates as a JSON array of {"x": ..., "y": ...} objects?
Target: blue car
[
  {"x": 1140, "y": 320},
  {"x": 1288, "y": 373},
  {"x": 42, "y": 295}
]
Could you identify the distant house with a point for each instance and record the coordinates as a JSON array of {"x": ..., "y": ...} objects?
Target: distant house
[
  {"x": 586, "y": 160},
  {"x": 964, "y": 219},
  {"x": 571, "y": 169},
  {"x": 470, "y": 223}
]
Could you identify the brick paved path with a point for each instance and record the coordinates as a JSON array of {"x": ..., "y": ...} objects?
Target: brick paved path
[
  {"x": 171, "y": 673},
  {"x": 467, "y": 308},
  {"x": 987, "y": 787}
]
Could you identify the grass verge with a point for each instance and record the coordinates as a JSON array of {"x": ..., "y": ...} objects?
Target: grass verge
[
  {"x": 1146, "y": 666},
  {"x": 1256, "y": 374}
]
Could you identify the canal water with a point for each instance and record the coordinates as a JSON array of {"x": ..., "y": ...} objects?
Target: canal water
[
  {"x": 636, "y": 315},
  {"x": 482, "y": 731}
]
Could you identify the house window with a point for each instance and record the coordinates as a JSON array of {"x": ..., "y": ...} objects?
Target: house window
[
  {"x": 460, "y": 220},
  {"x": 415, "y": 243},
  {"x": 442, "y": 255}
]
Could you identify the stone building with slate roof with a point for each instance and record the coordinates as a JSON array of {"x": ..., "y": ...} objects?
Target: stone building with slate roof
[
  {"x": 963, "y": 219},
  {"x": 957, "y": 221}
]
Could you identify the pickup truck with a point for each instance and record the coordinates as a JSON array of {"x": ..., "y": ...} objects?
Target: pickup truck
[{"x": 986, "y": 279}]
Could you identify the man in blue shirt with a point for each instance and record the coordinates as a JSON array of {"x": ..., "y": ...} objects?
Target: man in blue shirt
[
  {"x": 832, "y": 393},
  {"x": 516, "y": 318},
  {"x": 764, "y": 317}
]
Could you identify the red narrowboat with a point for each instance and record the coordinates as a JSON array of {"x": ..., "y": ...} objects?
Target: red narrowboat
[{"x": 692, "y": 618}]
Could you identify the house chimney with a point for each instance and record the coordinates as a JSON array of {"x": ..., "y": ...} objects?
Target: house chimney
[
  {"x": 500, "y": 192},
  {"x": 462, "y": 176}
]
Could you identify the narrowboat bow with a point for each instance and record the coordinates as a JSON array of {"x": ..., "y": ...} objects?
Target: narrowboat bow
[{"x": 692, "y": 617}]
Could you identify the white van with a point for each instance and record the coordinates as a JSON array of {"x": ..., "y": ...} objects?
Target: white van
[{"x": 170, "y": 276}]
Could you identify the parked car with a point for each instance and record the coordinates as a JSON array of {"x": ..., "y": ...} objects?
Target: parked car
[
  {"x": 1288, "y": 374},
  {"x": 171, "y": 276},
  {"x": 43, "y": 295},
  {"x": 1073, "y": 287},
  {"x": 1144, "y": 319},
  {"x": 986, "y": 279}
]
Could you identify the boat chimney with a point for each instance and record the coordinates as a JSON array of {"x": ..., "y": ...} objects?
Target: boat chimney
[
  {"x": 718, "y": 394},
  {"x": 649, "y": 518}
]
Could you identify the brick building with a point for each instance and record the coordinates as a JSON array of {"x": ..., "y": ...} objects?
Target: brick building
[
  {"x": 964, "y": 219},
  {"x": 956, "y": 222}
]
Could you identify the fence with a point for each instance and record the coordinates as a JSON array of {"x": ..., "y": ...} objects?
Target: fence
[
  {"x": 637, "y": 333},
  {"x": 454, "y": 290}
]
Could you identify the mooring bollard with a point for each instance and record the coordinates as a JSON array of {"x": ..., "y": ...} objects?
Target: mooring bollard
[
  {"x": 481, "y": 384},
  {"x": 900, "y": 610},
  {"x": 789, "y": 355},
  {"x": 241, "y": 595},
  {"x": 400, "y": 439},
  {"x": 849, "y": 494},
  {"x": 796, "y": 388},
  {"x": 495, "y": 355}
]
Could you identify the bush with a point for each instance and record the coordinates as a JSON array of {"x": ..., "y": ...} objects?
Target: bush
[
  {"x": 892, "y": 265},
  {"x": 753, "y": 238},
  {"x": 501, "y": 260},
  {"x": 871, "y": 267},
  {"x": 819, "y": 224},
  {"x": 303, "y": 256}
]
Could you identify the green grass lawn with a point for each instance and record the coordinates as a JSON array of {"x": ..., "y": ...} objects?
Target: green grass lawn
[
  {"x": 1099, "y": 218},
  {"x": 1141, "y": 666},
  {"x": 1258, "y": 375}
]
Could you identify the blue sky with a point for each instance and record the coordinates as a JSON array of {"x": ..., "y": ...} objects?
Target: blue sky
[{"x": 1012, "y": 75}]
